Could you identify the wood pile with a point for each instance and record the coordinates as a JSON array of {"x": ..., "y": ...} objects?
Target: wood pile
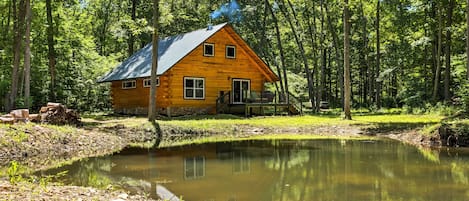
[
  {"x": 53, "y": 113},
  {"x": 58, "y": 114}
]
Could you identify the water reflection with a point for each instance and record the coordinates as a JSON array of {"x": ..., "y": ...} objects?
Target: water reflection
[{"x": 283, "y": 170}]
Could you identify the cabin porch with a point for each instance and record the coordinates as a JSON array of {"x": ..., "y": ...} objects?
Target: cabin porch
[{"x": 262, "y": 103}]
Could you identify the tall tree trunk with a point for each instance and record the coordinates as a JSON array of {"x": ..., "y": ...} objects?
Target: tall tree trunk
[
  {"x": 154, "y": 63},
  {"x": 267, "y": 41},
  {"x": 17, "y": 43},
  {"x": 467, "y": 38},
  {"x": 338, "y": 59},
  {"x": 449, "y": 23},
  {"x": 299, "y": 42},
  {"x": 27, "y": 56},
  {"x": 131, "y": 39},
  {"x": 378, "y": 58},
  {"x": 323, "y": 56},
  {"x": 436, "y": 85},
  {"x": 347, "y": 87},
  {"x": 51, "y": 50},
  {"x": 280, "y": 47}
]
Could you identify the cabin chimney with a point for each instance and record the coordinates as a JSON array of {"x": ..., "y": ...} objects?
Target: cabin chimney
[{"x": 209, "y": 25}]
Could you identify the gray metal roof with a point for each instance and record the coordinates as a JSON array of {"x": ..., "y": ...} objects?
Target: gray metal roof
[{"x": 170, "y": 51}]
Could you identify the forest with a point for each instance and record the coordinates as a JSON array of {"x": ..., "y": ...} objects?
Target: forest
[{"x": 403, "y": 53}]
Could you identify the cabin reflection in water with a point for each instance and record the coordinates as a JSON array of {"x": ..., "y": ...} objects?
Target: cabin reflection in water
[{"x": 219, "y": 171}]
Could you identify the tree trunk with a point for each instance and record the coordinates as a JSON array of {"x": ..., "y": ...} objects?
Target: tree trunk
[
  {"x": 449, "y": 22},
  {"x": 313, "y": 35},
  {"x": 378, "y": 59},
  {"x": 467, "y": 38},
  {"x": 27, "y": 56},
  {"x": 347, "y": 86},
  {"x": 323, "y": 56},
  {"x": 299, "y": 42},
  {"x": 154, "y": 66},
  {"x": 17, "y": 43},
  {"x": 131, "y": 39},
  {"x": 436, "y": 85},
  {"x": 51, "y": 52},
  {"x": 339, "y": 62},
  {"x": 280, "y": 47}
]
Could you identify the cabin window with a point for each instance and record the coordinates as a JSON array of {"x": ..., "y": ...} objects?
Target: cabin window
[
  {"x": 147, "y": 82},
  {"x": 129, "y": 84},
  {"x": 209, "y": 49},
  {"x": 241, "y": 162},
  {"x": 194, "y": 88},
  {"x": 194, "y": 167},
  {"x": 230, "y": 52}
]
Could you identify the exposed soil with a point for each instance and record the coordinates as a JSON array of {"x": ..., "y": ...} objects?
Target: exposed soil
[{"x": 30, "y": 191}]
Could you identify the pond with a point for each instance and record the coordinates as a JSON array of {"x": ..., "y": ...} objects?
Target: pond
[{"x": 281, "y": 170}]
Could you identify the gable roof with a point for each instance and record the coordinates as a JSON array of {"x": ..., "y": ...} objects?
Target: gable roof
[{"x": 170, "y": 51}]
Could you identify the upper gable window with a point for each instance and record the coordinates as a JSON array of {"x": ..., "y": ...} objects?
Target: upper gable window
[
  {"x": 209, "y": 49},
  {"x": 230, "y": 51},
  {"x": 147, "y": 82},
  {"x": 129, "y": 84}
]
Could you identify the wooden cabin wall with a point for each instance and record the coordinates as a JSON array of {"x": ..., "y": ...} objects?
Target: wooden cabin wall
[
  {"x": 135, "y": 101},
  {"x": 218, "y": 72}
]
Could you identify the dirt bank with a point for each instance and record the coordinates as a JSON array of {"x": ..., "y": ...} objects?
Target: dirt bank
[{"x": 32, "y": 191}]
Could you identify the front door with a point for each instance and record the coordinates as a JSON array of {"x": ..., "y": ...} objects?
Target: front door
[{"x": 241, "y": 90}]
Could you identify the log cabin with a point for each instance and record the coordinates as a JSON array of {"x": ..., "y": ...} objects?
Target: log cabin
[{"x": 196, "y": 70}]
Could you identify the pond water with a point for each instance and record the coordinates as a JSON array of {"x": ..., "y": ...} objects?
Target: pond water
[{"x": 281, "y": 170}]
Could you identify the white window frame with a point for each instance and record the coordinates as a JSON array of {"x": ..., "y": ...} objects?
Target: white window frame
[
  {"x": 226, "y": 52},
  {"x": 194, "y": 88},
  {"x": 149, "y": 79},
  {"x": 194, "y": 165},
  {"x": 213, "y": 50},
  {"x": 134, "y": 84}
]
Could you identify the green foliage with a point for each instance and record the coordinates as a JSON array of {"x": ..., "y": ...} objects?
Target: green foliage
[
  {"x": 14, "y": 172},
  {"x": 93, "y": 36}
]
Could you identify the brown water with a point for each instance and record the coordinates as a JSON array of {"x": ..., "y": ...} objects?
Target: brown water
[{"x": 282, "y": 170}]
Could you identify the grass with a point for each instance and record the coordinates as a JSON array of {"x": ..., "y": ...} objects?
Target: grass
[
  {"x": 217, "y": 122},
  {"x": 212, "y": 139}
]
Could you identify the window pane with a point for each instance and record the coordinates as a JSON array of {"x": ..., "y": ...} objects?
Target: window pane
[
  {"x": 199, "y": 93},
  {"x": 189, "y": 83},
  {"x": 189, "y": 93},
  {"x": 200, "y": 167},
  {"x": 208, "y": 49},
  {"x": 230, "y": 51},
  {"x": 189, "y": 171},
  {"x": 199, "y": 84}
]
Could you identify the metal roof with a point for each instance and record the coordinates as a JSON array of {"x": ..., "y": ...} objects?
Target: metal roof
[{"x": 170, "y": 51}]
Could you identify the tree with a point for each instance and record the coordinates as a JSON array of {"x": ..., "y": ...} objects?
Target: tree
[
  {"x": 347, "y": 90},
  {"x": 449, "y": 22},
  {"x": 27, "y": 56},
  {"x": 378, "y": 58},
  {"x": 154, "y": 63},
  {"x": 51, "y": 51},
  {"x": 19, "y": 20},
  {"x": 467, "y": 39},
  {"x": 436, "y": 84}
]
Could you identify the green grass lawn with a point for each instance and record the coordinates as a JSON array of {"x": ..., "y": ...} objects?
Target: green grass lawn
[{"x": 380, "y": 121}]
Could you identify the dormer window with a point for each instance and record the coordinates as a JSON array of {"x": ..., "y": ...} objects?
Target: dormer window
[
  {"x": 230, "y": 52},
  {"x": 209, "y": 49}
]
